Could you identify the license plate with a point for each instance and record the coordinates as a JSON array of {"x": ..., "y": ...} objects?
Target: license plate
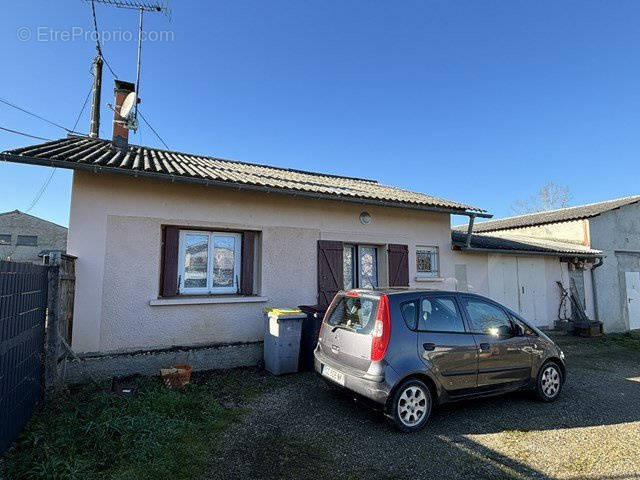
[{"x": 334, "y": 375}]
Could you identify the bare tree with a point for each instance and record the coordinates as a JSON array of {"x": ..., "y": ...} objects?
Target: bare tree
[{"x": 549, "y": 197}]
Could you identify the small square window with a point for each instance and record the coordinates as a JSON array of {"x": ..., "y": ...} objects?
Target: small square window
[
  {"x": 5, "y": 239},
  {"x": 27, "y": 240},
  {"x": 427, "y": 261}
]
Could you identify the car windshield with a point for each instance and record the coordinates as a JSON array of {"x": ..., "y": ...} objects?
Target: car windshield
[{"x": 354, "y": 313}]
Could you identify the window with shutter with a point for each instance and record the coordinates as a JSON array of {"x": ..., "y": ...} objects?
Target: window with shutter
[
  {"x": 206, "y": 262},
  {"x": 330, "y": 270},
  {"x": 398, "y": 265}
]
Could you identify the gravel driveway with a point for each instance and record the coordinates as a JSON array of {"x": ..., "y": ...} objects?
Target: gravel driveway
[{"x": 301, "y": 428}]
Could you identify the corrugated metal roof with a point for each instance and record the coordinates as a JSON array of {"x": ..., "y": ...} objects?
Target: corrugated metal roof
[
  {"x": 100, "y": 155},
  {"x": 551, "y": 216},
  {"x": 520, "y": 243}
]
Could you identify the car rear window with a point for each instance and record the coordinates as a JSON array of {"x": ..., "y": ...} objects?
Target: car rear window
[{"x": 354, "y": 313}]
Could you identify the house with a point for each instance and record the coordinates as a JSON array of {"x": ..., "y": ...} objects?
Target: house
[
  {"x": 177, "y": 249},
  {"x": 526, "y": 273},
  {"x": 613, "y": 228},
  {"x": 24, "y": 238}
]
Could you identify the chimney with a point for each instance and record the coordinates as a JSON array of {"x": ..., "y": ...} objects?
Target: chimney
[{"x": 120, "y": 133}]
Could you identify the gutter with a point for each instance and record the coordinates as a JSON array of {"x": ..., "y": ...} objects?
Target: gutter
[
  {"x": 463, "y": 248},
  {"x": 239, "y": 186}
]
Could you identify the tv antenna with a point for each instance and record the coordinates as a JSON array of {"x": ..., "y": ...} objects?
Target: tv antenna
[{"x": 132, "y": 103}]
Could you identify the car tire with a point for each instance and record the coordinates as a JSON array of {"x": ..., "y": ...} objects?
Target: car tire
[
  {"x": 549, "y": 382},
  {"x": 410, "y": 406}
]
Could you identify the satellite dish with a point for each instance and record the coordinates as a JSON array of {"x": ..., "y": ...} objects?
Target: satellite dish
[{"x": 128, "y": 104}]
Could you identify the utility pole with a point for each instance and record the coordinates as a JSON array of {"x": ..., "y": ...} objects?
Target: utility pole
[{"x": 94, "y": 127}]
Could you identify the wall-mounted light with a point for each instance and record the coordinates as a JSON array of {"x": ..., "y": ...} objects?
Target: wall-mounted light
[{"x": 365, "y": 218}]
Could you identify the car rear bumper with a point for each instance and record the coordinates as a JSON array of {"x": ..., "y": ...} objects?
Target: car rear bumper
[{"x": 372, "y": 387}]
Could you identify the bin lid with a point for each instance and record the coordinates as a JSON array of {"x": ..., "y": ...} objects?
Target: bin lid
[{"x": 281, "y": 312}]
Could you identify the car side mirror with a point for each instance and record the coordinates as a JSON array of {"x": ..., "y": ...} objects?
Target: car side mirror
[{"x": 518, "y": 330}]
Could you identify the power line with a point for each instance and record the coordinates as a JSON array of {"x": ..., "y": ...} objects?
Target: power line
[
  {"x": 24, "y": 134},
  {"x": 41, "y": 191},
  {"x": 84, "y": 105},
  {"x": 37, "y": 116},
  {"x": 153, "y": 130}
]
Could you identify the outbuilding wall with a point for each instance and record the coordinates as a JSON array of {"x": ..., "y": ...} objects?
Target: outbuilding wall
[{"x": 617, "y": 234}]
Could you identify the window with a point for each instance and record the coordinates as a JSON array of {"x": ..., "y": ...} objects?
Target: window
[
  {"x": 487, "y": 318},
  {"x": 360, "y": 266},
  {"x": 410, "y": 314},
  {"x": 5, "y": 239},
  {"x": 440, "y": 314},
  {"x": 27, "y": 240},
  {"x": 354, "y": 313},
  {"x": 427, "y": 261},
  {"x": 527, "y": 329},
  {"x": 208, "y": 262}
]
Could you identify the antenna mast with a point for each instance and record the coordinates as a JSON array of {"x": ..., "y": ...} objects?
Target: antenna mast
[{"x": 141, "y": 6}]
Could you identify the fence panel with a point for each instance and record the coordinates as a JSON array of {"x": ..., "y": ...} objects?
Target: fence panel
[{"x": 23, "y": 308}]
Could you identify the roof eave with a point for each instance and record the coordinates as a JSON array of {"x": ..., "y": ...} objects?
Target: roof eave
[
  {"x": 462, "y": 247},
  {"x": 48, "y": 162}
]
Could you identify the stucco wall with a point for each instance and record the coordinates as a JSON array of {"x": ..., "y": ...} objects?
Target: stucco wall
[
  {"x": 478, "y": 279},
  {"x": 617, "y": 234},
  {"x": 115, "y": 231},
  {"x": 576, "y": 231}
]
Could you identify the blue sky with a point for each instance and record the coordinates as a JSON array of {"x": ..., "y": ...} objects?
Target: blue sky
[{"x": 481, "y": 102}]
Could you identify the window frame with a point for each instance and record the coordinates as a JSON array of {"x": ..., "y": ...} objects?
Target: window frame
[
  {"x": 467, "y": 298},
  {"x": 18, "y": 244},
  {"x": 434, "y": 251},
  {"x": 355, "y": 264},
  {"x": 210, "y": 289},
  {"x": 418, "y": 303},
  {"x": 4, "y": 235},
  {"x": 458, "y": 305}
]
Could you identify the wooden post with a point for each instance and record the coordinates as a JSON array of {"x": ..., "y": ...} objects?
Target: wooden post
[{"x": 52, "y": 335}]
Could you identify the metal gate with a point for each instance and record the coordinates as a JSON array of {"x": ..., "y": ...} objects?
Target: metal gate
[{"x": 23, "y": 308}]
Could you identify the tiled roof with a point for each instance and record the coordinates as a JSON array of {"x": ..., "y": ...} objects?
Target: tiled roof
[
  {"x": 101, "y": 156},
  {"x": 551, "y": 216},
  {"x": 506, "y": 242}
]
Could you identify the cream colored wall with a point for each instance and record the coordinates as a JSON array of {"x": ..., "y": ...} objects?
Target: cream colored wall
[
  {"x": 576, "y": 231},
  {"x": 115, "y": 231},
  {"x": 478, "y": 278}
]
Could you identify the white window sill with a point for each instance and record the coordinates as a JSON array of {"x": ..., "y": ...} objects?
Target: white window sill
[
  {"x": 185, "y": 300},
  {"x": 429, "y": 279}
]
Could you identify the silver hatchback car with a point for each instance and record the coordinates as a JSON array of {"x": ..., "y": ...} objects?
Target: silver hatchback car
[{"x": 409, "y": 350}]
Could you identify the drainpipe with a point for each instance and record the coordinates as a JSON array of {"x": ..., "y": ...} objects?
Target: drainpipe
[
  {"x": 593, "y": 285},
  {"x": 472, "y": 217}
]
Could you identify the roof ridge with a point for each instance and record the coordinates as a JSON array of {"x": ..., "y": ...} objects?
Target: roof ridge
[{"x": 545, "y": 212}]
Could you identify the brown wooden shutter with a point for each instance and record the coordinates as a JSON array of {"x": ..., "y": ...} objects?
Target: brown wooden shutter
[
  {"x": 247, "y": 259},
  {"x": 330, "y": 273},
  {"x": 170, "y": 262},
  {"x": 398, "y": 265}
]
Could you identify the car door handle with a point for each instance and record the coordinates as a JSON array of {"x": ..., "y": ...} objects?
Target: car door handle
[
  {"x": 429, "y": 346},
  {"x": 485, "y": 347}
]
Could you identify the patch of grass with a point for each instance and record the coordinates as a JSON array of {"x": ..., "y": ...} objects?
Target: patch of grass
[
  {"x": 155, "y": 433},
  {"x": 630, "y": 340}
]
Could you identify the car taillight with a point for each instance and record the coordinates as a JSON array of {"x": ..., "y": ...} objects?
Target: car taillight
[{"x": 381, "y": 330}]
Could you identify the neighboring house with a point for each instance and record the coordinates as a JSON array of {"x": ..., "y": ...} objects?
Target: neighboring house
[
  {"x": 523, "y": 273},
  {"x": 182, "y": 249},
  {"x": 613, "y": 228},
  {"x": 23, "y": 237}
]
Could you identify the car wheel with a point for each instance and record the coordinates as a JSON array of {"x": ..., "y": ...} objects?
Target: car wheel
[
  {"x": 411, "y": 406},
  {"x": 549, "y": 382}
]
